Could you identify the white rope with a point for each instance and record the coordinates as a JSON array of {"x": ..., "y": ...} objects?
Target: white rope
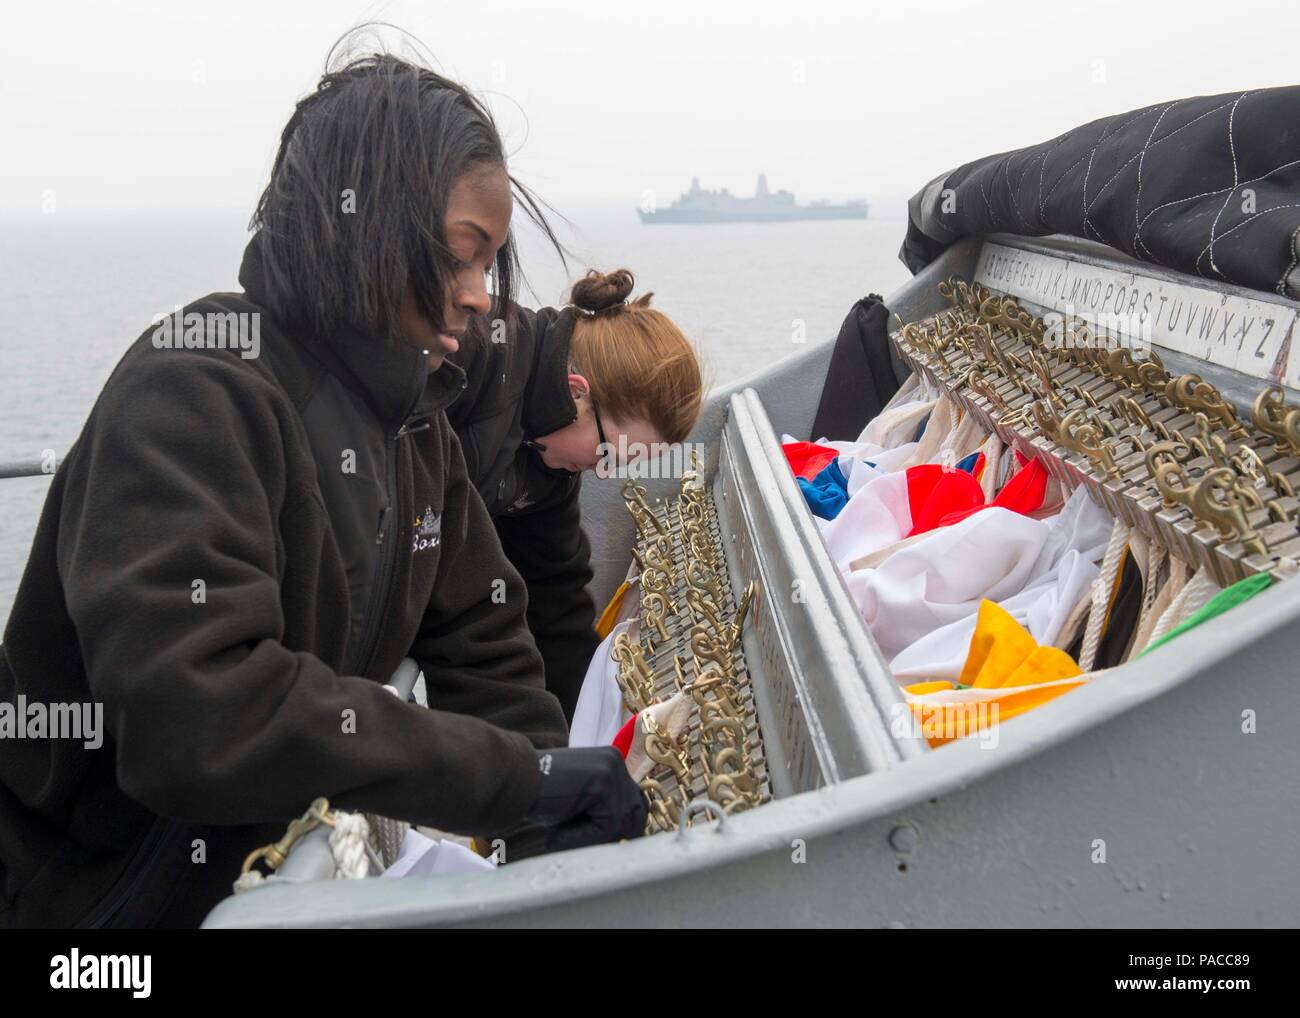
[
  {"x": 1176, "y": 574},
  {"x": 1157, "y": 555},
  {"x": 251, "y": 879},
  {"x": 350, "y": 843},
  {"x": 349, "y": 846},
  {"x": 1102, "y": 587},
  {"x": 1198, "y": 590}
]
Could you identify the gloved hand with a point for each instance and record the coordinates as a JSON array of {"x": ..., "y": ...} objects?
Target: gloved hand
[{"x": 587, "y": 796}]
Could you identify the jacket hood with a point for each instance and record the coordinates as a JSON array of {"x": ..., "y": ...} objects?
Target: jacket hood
[
  {"x": 393, "y": 378},
  {"x": 548, "y": 405}
]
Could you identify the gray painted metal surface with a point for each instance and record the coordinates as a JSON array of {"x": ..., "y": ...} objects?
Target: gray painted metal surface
[
  {"x": 1162, "y": 793},
  {"x": 28, "y": 468}
]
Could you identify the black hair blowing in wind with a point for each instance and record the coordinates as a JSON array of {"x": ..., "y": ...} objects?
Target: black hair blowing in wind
[{"x": 397, "y": 136}]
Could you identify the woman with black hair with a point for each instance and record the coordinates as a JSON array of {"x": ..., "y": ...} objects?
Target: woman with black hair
[{"x": 247, "y": 539}]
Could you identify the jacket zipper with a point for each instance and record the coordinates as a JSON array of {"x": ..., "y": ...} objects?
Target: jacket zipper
[
  {"x": 380, "y": 594},
  {"x": 141, "y": 864}
]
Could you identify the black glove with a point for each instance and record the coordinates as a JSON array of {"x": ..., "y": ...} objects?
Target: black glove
[{"x": 588, "y": 797}]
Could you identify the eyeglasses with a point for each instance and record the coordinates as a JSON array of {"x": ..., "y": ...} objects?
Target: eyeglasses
[
  {"x": 600, "y": 431},
  {"x": 605, "y": 450},
  {"x": 600, "y": 434}
]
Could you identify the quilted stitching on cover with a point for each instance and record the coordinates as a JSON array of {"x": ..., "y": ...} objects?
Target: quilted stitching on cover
[{"x": 1209, "y": 186}]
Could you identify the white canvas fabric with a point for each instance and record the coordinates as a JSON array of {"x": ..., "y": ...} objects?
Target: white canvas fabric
[
  {"x": 935, "y": 582},
  {"x": 967, "y": 437},
  {"x": 426, "y": 857},
  {"x": 992, "y": 450},
  {"x": 943, "y": 419},
  {"x": 921, "y": 602},
  {"x": 859, "y": 462},
  {"x": 874, "y": 559},
  {"x": 898, "y": 424},
  {"x": 674, "y": 714},
  {"x": 858, "y": 469},
  {"x": 941, "y": 653},
  {"x": 600, "y": 711},
  {"x": 906, "y": 393},
  {"x": 877, "y": 515}
]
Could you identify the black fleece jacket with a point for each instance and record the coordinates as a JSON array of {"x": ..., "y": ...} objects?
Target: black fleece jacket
[
  {"x": 517, "y": 389},
  {"x": 233, "y": 558}
]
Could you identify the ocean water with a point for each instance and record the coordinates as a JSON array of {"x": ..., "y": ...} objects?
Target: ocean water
[{"x": 76, "y": 290}]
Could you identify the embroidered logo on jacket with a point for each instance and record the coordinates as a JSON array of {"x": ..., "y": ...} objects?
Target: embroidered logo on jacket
[
  {"x": 523, "y": 501},
  {"x": 428, "y": 530}
]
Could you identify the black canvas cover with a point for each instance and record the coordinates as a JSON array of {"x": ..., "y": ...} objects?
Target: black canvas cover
[
  {"x": 864, "y": 373},
  {"x": 1209, "y": 186}
]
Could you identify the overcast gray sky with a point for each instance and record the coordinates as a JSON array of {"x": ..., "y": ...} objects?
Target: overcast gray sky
[{"x": 156, "y": 104}]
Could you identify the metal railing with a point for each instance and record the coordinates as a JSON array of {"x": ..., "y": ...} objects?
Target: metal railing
[{"x": 27, "y": 468}]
